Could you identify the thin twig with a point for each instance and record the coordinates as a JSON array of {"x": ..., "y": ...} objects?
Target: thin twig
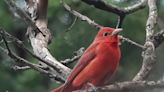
[
  {"x": 68, "y": 29},
  {"x": 16, "y": 68},
  {"x": 120, "y": 21},
  {"x": 75, "y": 58},
  {"x": 78, "y": 15},
  {"x": 131, "y": 42},
  {"x": 89, "y": 21}
]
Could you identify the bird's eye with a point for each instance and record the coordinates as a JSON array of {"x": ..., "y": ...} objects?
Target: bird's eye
[{"x": 106, "y": 34}]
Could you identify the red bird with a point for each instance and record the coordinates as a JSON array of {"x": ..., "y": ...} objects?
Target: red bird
[{"x": 97, "y": 64}]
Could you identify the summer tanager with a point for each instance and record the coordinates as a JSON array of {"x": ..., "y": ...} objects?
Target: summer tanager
[{"x": 97, "y": 64}]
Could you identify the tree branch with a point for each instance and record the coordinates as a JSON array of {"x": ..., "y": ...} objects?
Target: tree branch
[
  {"x": 127, "y": 86},
  {"x": 75, "y": 58},
  {"x": 24, "y": 16},
  {"x": 16, "y": 68},
  {"x": 149, "y": 53},
  {"x": 100, "y": 4},
  {"x": 78, "y": 15},
  {"x": 39, "y": 40},
  {"x": 25, "y": 62},
  {"x": 131, "y": 42},
  {"x": 120, "y": 21},
  {"x": 91, "y": 22},
  {"x": 20, "y": 44}
]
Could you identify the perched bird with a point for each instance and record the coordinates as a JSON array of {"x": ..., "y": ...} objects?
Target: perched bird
[{"x": 97, "y": 64}]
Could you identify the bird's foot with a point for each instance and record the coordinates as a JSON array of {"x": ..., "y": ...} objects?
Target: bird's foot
[{"x": 91, "y": 88}]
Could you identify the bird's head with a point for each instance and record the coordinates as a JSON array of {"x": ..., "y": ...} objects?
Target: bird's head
[{"x": 107, "y": 34}]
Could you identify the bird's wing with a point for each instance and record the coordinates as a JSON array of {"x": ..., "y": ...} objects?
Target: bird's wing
[{"x": 85, "y": 59}]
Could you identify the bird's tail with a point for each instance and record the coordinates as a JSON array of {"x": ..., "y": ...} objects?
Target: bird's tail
[{"x": 58, "y": 89}]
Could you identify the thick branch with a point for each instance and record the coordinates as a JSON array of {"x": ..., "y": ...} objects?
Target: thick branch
[
  {"x": 121, "y": 12},
  {"x": 21, "y": 45},
  {"x": 100, "y": 4},
  {"x": 25, "y": 62},
  {"x": 42, "y": 11},
  {"x": 149, "y": 53},
  {"x": 133, "y": 86},
  {"x": 127, "y": 85},
  {"x": 23, "y": 15},
  {"x": 39, "y": 40},
  {"x": 33, "y": 66}
]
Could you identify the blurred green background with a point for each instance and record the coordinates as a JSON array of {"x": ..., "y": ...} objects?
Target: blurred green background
[{"x": 81, "y": 35}]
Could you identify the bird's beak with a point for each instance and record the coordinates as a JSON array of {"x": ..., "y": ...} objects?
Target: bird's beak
[{"x": 116, "y": 31}]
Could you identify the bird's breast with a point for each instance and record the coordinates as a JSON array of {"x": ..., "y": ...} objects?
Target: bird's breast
[
  {"x": 105, "y": 63},
  {"x": 108, "y": 53}
]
